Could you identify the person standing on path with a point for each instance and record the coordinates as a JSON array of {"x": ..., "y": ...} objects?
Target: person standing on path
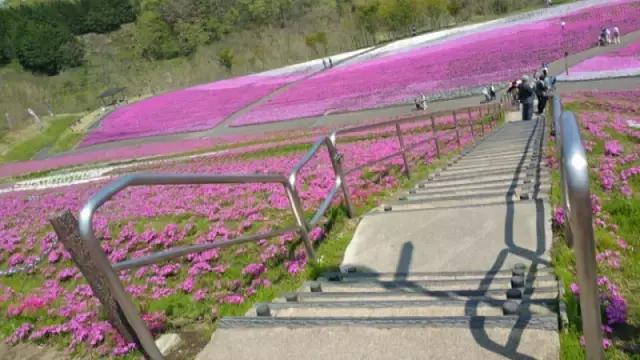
[
  {"x": 616, "y": 35},
  {"x": 542, "y": 93},
  {"x": 526, "y": 96}
]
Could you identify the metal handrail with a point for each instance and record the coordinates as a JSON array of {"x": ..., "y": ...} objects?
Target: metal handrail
[
  {"x": 288, "y": 182},
  {"x": 576, "y": 201}
]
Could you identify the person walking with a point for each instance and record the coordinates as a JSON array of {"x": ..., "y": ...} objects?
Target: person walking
[
  {"x": 542, "y": 91},
  {"x": 526, "y": 96},
  {"x": 424, "y": 102},
  {"x": 616, "y": 35},
  {"x": 330, "y": 63}
]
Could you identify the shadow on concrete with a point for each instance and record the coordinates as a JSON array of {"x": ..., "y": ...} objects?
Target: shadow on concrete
[{"x": 477, "y": 325}]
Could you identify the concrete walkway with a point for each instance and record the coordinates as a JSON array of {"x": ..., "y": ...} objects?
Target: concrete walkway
[{"x": 456, "y": 268}]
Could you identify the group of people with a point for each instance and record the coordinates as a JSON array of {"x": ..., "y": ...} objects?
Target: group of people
[
  {"x": 525, "y": 92},
  {"x": 327, "y": 64},
  {"x": 609, "y": 36}
]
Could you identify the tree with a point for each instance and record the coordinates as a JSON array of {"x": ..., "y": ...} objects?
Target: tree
[
  {"x": 226, "y": 59},
  {"x": 155, "y": 37},
  {"x": 367, "y": 18},
  {"x": 47, "y": 48},
  {"x": 397, "y": 15},
  {"x": 314, "y": 39},
  {"x": 107, "y": 15},
  {"x": 435, "y": 10},
  {"x": 454, "y": 7}
]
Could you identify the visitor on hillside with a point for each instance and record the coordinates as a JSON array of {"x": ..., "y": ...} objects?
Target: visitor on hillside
[
  {"x": 413, "y": 31},
  {"x": 602, "y": 40},
  {"x": 324, "y": 63},
  {"x": 330, "y": 63},
  {"x": 542, "y": 93},
  {"x": 418, "y": 103},
  {"x": 607, "y": 34},
  {"x": 424, "y": 102},
  {"x": 616, "y": 35},
  {"x": 513, "y": 91},
  {"x": 526, "y": 96}
]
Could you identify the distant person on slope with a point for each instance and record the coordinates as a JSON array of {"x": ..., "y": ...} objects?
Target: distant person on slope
[
  {"x": 526, "y": 96},
  {"x": 616, "y": 35}
]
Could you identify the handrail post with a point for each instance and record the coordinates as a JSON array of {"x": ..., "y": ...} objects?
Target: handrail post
[
  {"x": 557, "y": 125},
  {"x": 470, "y": 122},
  {"x": 404, "y": 152},
  {"x": 580, "y": 219},
  {"x": 98, "y": 257},
  {"x": 336, "y": 162},
  {"x": 455, "y": 121},
  {"x": 298, "y": 212},
  {"x": 434, "y": 133}
]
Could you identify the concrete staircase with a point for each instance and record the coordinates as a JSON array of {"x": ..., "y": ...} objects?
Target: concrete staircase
[{"x": 456, "y": 268}]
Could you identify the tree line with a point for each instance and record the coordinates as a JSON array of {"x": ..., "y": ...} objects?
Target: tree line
[{"x": 42, "y": 37}]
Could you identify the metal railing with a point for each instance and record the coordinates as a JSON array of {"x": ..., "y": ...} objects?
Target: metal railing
[
  {"x": 576, "y": 201},
  {"x": 303, "y": 226}
]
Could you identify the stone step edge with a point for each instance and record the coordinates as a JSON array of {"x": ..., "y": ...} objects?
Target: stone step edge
[
  {"x": 543, "y": 322},
  {"x": 489, "y": 302},
  {"x": 451, "y": 274},
  {"x": 526, "y": 292},
  {"x": 409, "y": 283}
]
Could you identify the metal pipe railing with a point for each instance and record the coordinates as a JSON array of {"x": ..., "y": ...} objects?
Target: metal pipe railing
[
  {"x": 576, "y": 200},
  {"x": 114, "y": 285},
  {"x": 303, "y": 226}
]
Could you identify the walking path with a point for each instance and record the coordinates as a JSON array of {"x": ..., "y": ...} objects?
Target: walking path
[{"x": 457, "y": 268}]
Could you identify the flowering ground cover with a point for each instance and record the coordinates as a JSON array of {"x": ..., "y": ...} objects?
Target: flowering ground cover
[
  {"x": 191, "y": 109},
  {"x": 52, "y": 304},
  {"x": 612, "y": 142},
  {"x": 149, "y": 150},
  {"x": 489, "y": 56},
  {"x": 622, "y": 62}
]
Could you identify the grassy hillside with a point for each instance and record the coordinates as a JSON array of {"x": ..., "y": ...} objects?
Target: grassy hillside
[{"x": 120, "y": 58}]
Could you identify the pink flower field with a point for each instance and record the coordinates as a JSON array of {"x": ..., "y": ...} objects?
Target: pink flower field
[
  {"x": 622, "y": 62},
  {"x": 612, "y": 142},
  {"x": 53, "y": 303},
  {"x": 490, "y": 56},
  {"x": 196, "y": 108}
]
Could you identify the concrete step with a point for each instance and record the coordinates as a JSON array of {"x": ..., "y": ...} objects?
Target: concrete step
[
  {"x": 509, "y": 195},
  {"x": 513, "y": 166},
  {"x": 487, "y": 338},
  {"x": 414, "y": 295},
  {"x": 352, "y": 285},
  {"x": 496, "y": 164},
  {"x": 359, "y": 275},
  {"x": 405, "y": 308},
  {"x": 484, "y": 158},
  {"x": 453, "y": 174},
  {"x": 519, "y": 188},
  {"x": 461, "y": 201},
  {"x": 433, "y": 188},
  {"x": 505, "y": 176}
]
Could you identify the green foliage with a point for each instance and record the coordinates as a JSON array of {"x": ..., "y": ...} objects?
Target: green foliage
[
  {"x": 397, "y": 15},
  {"x": 27, "y": 149},
  {"x": 40, "y": 35},
  {"x": 155, "y": 37},
  {"x": 47, "y": 48},
  {"x": 314, "y": 39},
  {"x": 226, "y": 58},
  {"x": 367, "y": 18}
]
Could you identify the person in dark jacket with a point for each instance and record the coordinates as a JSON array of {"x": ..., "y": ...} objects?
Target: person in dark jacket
[
  {"x": 526, "y": 96},
  {"x": 542, "y": 90}
]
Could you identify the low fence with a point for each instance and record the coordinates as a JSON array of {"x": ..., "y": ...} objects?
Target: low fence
[{"x": 80, "y": 240}]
